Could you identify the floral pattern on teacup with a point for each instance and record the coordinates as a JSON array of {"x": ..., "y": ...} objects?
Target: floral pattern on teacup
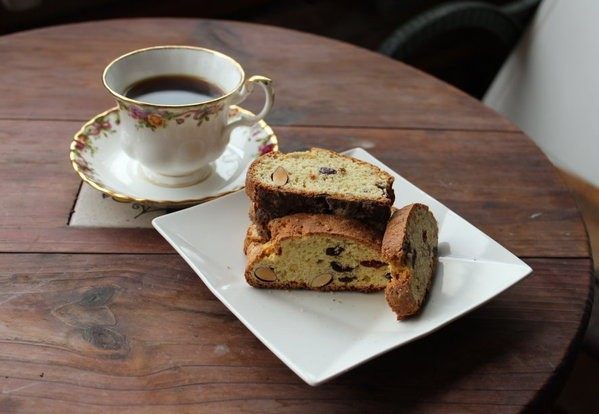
[{"x": 159, "y": 118}]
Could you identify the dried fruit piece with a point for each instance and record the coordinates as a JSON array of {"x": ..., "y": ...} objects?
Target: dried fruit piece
[
  {"x": 321, "y": 280},
  {"x": 280, "y": 176},
  {"x": 327, "y": 170},
  {"x": 334, "y": 251},
  {"x": 372, "y": 263},
  {"x": 338, "y": 267},
  {"x": 265, "y": 274},
  {"x": 347, "y": 279}
]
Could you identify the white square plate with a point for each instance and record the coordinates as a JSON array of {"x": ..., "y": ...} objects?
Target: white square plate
[{"x": 320, "y": 335}]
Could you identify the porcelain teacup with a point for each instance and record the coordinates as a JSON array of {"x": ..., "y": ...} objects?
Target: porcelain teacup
[{"x": 175, "y": 143}]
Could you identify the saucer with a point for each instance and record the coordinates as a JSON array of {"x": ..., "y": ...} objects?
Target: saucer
[{"x": 98, "y": 159}]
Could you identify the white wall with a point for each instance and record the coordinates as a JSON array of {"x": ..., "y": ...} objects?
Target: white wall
[{"x": 549, "y": 86}]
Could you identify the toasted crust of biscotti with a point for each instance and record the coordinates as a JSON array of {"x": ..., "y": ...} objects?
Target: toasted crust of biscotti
[
  {"x": 261, "y": 218},
  {"x": 402, "y": 252},
  {"x": 297, "y": 226},
  {"x": 252, "y": 238},
  {"x": 272, "y": 201},
  {"x": 395, "y": 237},
  {"x": 303, "y": 224}
]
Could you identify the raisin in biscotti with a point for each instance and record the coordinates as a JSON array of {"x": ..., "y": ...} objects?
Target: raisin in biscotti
[
  {"x": 319, "y": 181},
  {"x": 410, "y": 247},
  {"x": 316, "y": 251}
]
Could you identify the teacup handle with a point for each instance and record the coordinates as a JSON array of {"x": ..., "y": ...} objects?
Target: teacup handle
[{"x": 247, "y": 89}]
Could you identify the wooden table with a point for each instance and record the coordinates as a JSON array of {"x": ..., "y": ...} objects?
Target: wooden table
[{"x": 100, "y": 320}]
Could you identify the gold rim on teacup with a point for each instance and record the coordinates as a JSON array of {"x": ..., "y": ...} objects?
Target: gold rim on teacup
[{"x": 122, "y": 97}]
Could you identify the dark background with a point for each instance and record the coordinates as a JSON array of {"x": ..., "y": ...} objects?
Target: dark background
[{"x": 465, "y": 58}]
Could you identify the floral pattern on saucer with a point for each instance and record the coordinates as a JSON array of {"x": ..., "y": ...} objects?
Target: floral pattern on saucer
[
  {"x": 95, "y": 148},
  {"x": 83, "y": 142},
  {"x": 158, "y": 118},
  {"x": 266, "y": 144}
]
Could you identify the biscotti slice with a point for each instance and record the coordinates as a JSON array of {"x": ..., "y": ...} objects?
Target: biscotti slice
[
  {"x": 316, "y": 251},
  {"x": 410, "y": 247},
  {"x": 322, "y": 182}
]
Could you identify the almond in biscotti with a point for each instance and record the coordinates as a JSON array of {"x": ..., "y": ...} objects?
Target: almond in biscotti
[
  {"x": 280, "y": 176},
  {"x": 321, "y": 280},
  {"x": 265, "y": 274}
]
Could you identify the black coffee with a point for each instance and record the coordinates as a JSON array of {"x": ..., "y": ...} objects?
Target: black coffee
[{"x": 173, "y": 90}]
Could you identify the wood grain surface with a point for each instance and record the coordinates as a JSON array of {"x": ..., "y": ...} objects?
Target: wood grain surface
[
  {"x": 109, "y": 332},
  {"x": 104, "y": 320}
]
